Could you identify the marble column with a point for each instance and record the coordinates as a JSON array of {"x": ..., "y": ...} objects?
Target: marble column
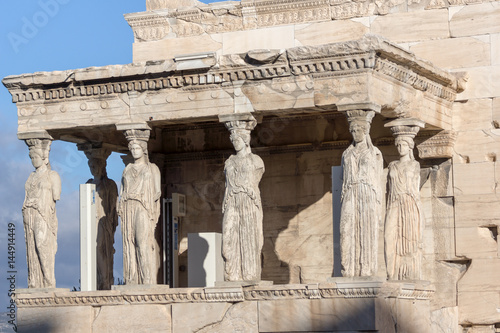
[
  {"x": 43, "y": 189},
  {"x": 139, "y": 208},
  {"x": 107, "y": 217},
  {"x": 361, "y": 198},
  {"x": 242, "y": 235},
  {"x": 403, "y": 220}
]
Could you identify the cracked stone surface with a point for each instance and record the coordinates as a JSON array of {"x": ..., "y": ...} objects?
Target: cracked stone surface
[{"x": 215, "y": 317}]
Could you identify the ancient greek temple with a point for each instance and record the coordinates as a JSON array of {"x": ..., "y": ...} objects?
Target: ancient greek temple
[{"x": 345, "y": 152}]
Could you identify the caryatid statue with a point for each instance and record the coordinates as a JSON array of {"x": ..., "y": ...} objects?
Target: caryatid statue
[
  {"x": 403, "y": 219},
  {"x": 43, "y": 189},
  {"x": 107, "y": 216},
  {"x": 139, "y": 209},
  {"x": 361, "y": 199},
  {"x": 242, "y": 235}
]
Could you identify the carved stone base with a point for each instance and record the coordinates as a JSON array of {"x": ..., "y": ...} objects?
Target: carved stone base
[
  {"x": 141, "y": 287},
  {"x": 243, "y": 283},
  {"x": 343, "y": 305},
  {"x": 360, "y": 280},
  {"x": 37, "y": 291}
]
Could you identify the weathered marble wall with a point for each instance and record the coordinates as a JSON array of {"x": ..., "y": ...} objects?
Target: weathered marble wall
[{"x": 474, "y": 46}]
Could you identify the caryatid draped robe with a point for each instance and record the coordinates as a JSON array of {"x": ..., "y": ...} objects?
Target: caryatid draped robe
[
  {"x": 361, "y": 210},
  {"x": 242, "y": 223},
  {"x": 403, "y": 222},
  {"x": 139, "y": 209},
  {"x": 43, "y": 188}
]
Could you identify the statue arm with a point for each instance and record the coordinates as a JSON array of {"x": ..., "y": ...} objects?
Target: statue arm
[
  {"x": 379, "y": 172},
  {"x": 56, "y": 185},
  {"x": 417, "y": 173},
  {"x": 226, "y": 187},
  {"x": 26, "y": 191},
  {"x": 154, "y": 206},
  {"x": 416, "y": 180},
  {"x": 157, "y": 182},
  {"x": 259, "y": 163},
  {"x": 259, "y": 166},
  {"x": 346, "y": 176},
  {"x": 416, "y": 188}
]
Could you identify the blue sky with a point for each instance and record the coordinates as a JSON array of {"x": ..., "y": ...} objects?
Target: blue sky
[{"x": 48, "y": 35}]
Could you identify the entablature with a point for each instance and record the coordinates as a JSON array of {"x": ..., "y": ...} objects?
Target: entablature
[{"x": 308, "y": 79}]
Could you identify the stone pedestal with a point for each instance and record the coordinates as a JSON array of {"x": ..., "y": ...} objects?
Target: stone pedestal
[
  {"x": 39, "y": 291},
  {"x": 141, "y": 288},
  {"x": 252, "y": 283},
  {"x": 341, "y": 305}
]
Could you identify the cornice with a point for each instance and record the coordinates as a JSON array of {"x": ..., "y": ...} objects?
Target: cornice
[{"x": 371, "y": 53}]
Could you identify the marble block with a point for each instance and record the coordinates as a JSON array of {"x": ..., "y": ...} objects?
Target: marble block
[
  {"x": 133, "y": 318},
  {"x": 215, "y": 317},
  {"x": 76, "y": 319}
]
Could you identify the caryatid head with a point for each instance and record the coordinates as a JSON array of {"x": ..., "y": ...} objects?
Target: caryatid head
[
  {"x": 39, "y": 151},
  {"x": 404, "y": 135},
  {"x": 404, "y": 131},
  {"x": 240, "y": 130},
  {"x": 138, "y": 143},
  {"x": 359, "y": 125}
]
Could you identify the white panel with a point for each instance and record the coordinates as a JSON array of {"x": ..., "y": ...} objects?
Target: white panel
[
  {"x": 88, "y": 238},
  {"x": 205, "y": 263}
]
